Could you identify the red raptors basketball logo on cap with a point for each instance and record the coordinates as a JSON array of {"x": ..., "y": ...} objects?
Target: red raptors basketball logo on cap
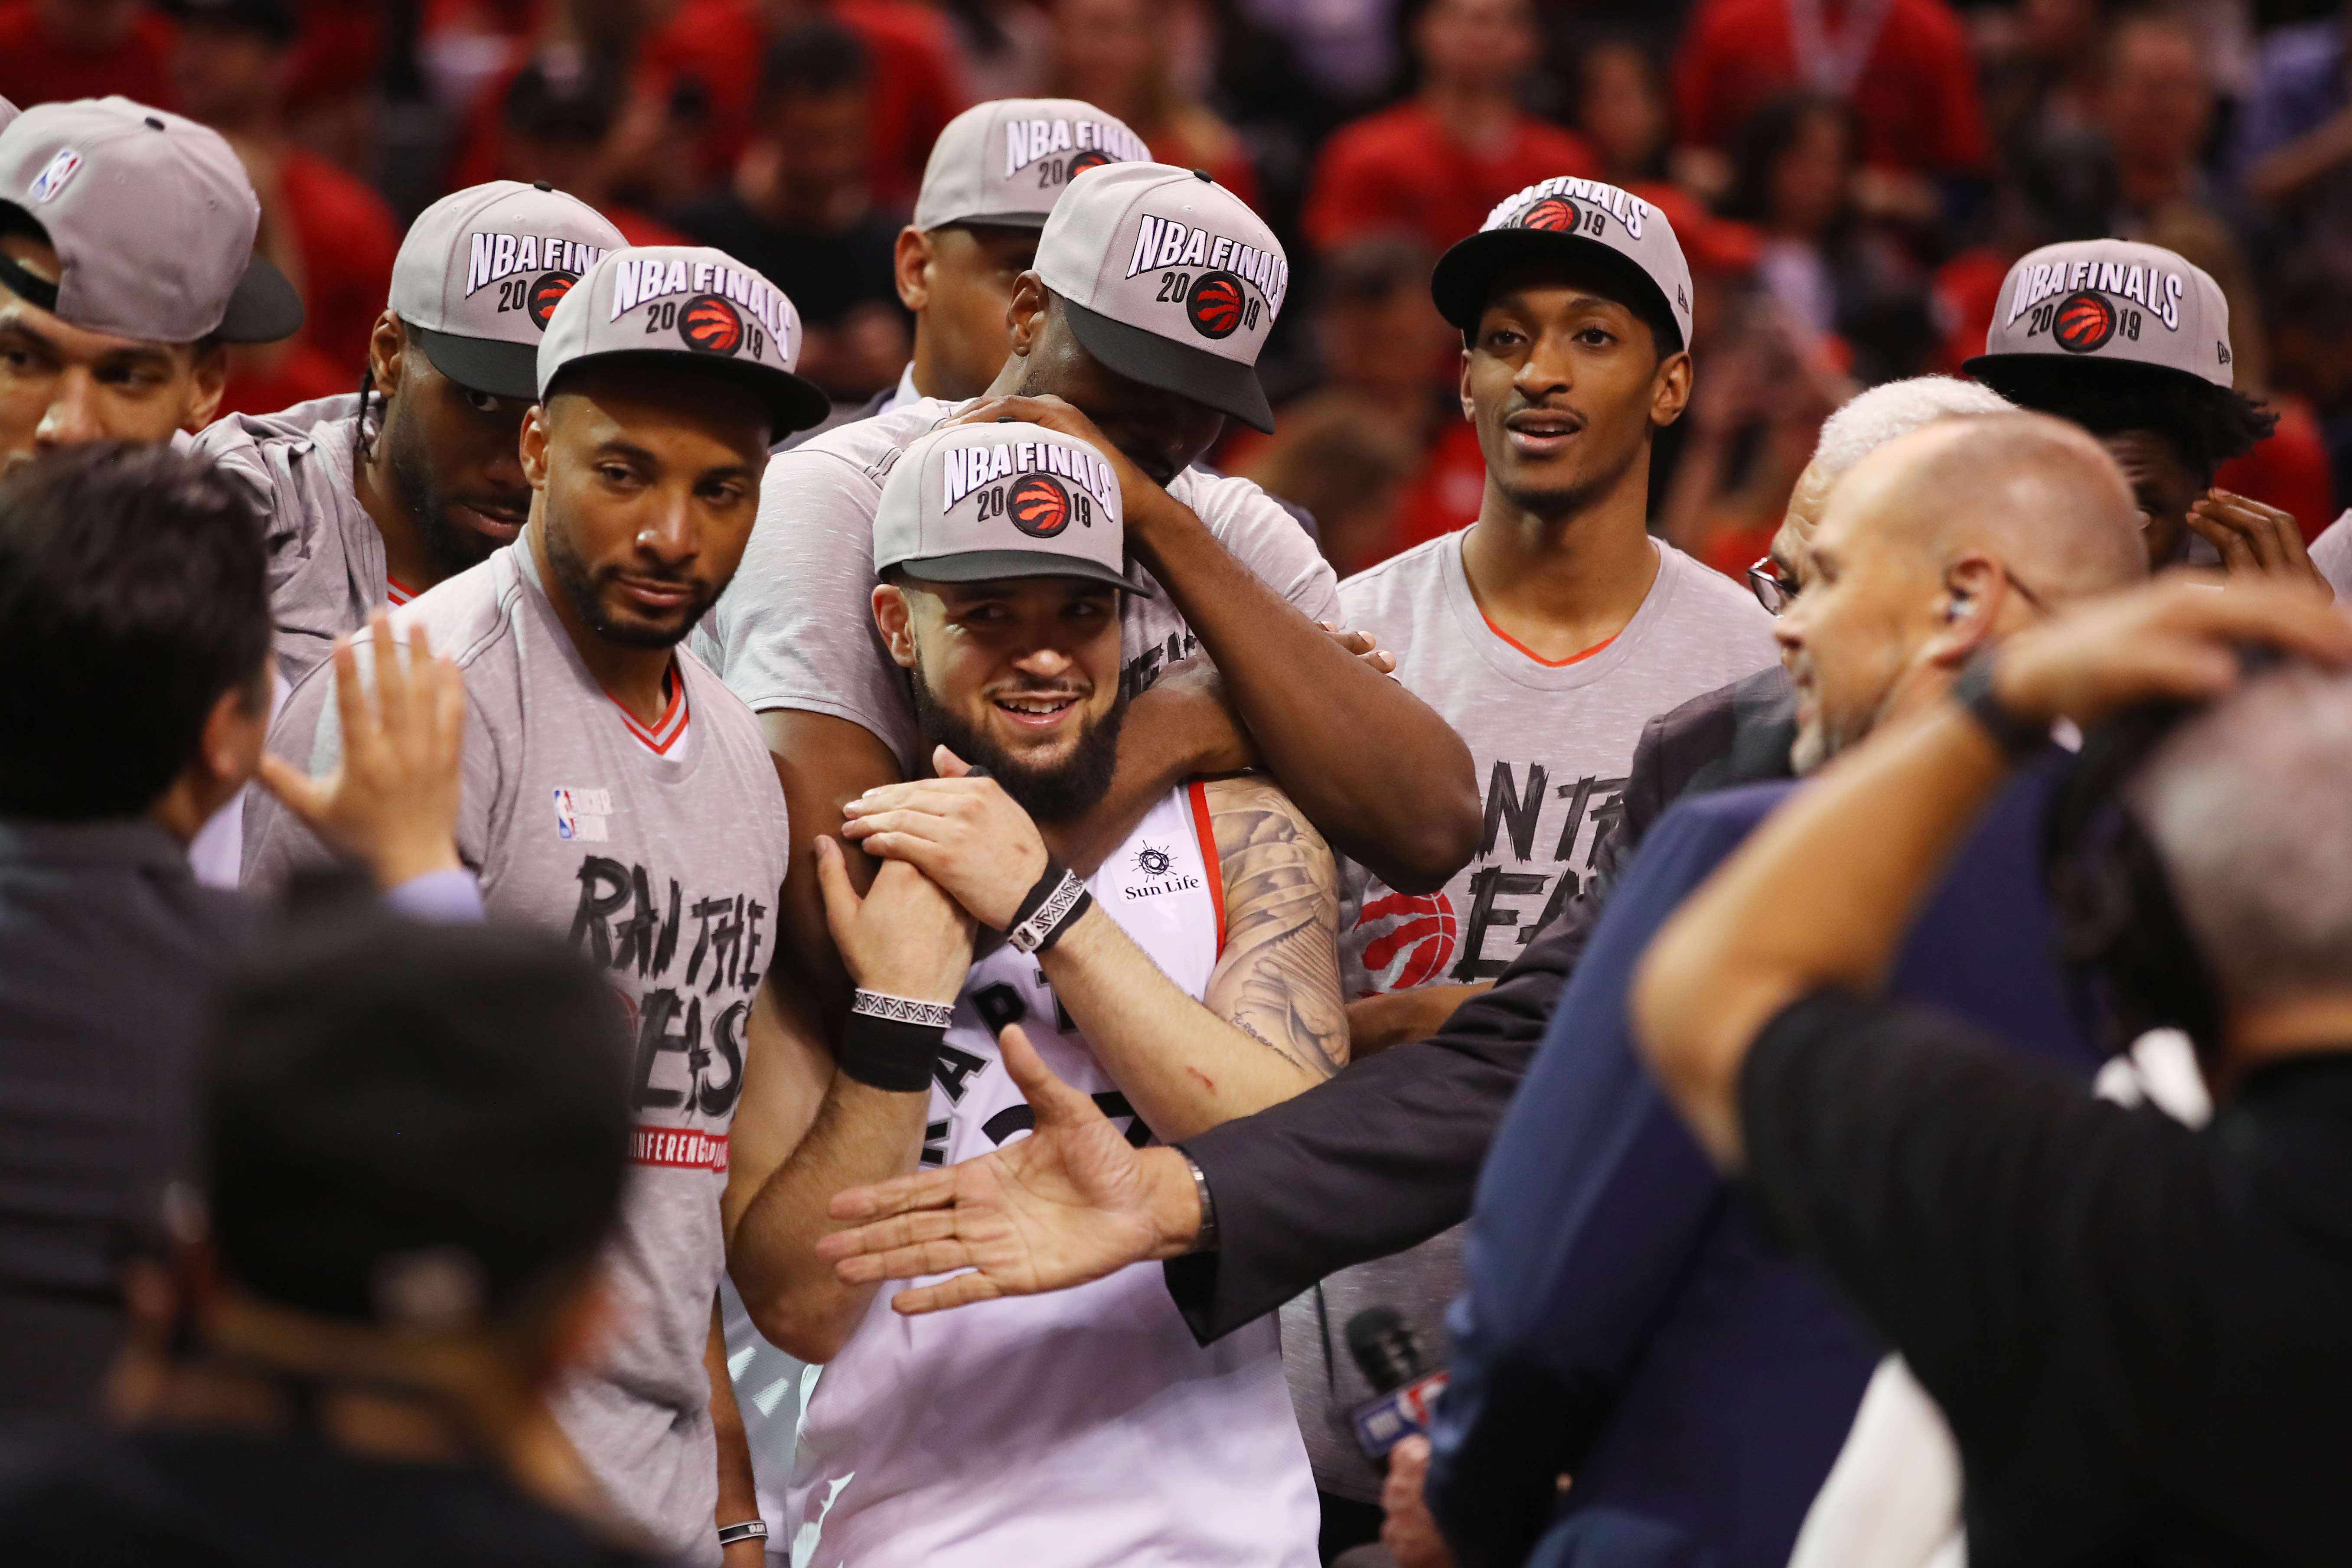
[
  {"x": 547, "y": 293},
  {"x": 2084, "y": 322},
  {"x": 1555, "y": 214},
  {"x": 1092, "y": 158},
  {"x": 1214, "y": 304},
  {"x": 710, "y": 324},
  {"x": 1419, "y": 928},
  {"x": 1039, "y": 506}
]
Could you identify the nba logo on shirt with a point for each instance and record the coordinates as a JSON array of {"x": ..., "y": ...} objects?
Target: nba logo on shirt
[
  {"x": 583, "y": 814},
  {"x": 566, "y": 825}
]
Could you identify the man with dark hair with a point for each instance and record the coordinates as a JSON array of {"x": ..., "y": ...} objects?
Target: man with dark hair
[
  {"x": 615, "y": 791},
  {"x": 135, "y": 626},
  {"x": 413, "y": 1146},
  {"x": 126, "y": 261},
  {"x": 2132, "y": 342},
  {"x": 800, "y": 208},
  {"x": 373, "y": 497}
]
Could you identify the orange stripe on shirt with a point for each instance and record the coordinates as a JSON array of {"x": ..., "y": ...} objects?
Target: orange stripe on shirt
[
  {"x": 1213, "y": 869},
  {"x": 1547, "y": 663}
]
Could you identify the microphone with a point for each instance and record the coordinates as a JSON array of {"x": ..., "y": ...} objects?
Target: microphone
[{"x": 1405, "y": 1387}]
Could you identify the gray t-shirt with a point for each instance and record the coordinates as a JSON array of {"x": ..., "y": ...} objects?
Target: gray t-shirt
[
  {"x": 796, "y": 629},
  {"x": 663, "y": 867},
  {"x": 1550, "y": 743},
  {"x": 326, "y": 558},
  {"x": 2332, "y": 554}
]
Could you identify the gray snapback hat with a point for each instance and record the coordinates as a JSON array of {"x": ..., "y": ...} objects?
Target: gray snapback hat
[
  {"x": 1168, "y": 278},
  {"x": 2110, "y": 301},
  {"x": 153, "y": 220},
  {"x": 973, "y": 503},
  {"x": 1567, "y": 216},
  {"x": 685, "y": 304},
  {"x": 1006, "y": 162},
  {"x": 8, "y": 112},
  {"x": 481, "y": 272}
]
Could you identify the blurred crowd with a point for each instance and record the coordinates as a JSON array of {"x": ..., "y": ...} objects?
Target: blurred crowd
[{"x": 1850, "y": 181}]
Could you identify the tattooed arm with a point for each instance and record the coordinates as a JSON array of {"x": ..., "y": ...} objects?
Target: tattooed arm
[{"x": 1271, "y": 1025}]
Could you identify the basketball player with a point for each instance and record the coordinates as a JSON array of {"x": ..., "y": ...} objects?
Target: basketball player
[
  {"x": 2132, "y": 342},
  {"x": 1547, "y": 633},
  {"x": 1145, "y": 362},
  {"x": 376, "y": 496},
  {"x": 126, "y": 262},
  {"x": 614, "y": 791},
  {"x": 1190, "y": 979}
]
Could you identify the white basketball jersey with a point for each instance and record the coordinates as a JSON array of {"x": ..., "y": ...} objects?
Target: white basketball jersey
[{"x": 1081, "y": 1428}]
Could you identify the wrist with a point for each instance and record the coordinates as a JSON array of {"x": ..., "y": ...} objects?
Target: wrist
[
  {"x": 1175, "y": 1202},
  {"x": 395, "y": 865},
  {"x": 1988, "y": 690}
]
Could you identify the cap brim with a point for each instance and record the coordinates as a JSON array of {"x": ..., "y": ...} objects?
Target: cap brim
[
  {"x": 483, "y": 364},
  {"x": 792, "y": 404},
  {"x": 263, "y": 307},
  {"x": 1228, "y": 387},
  {"x": 1031, "y": 221},
  {"x": 1993, "y": 371},
  {"x": 1466, "y": 271},
  {"x": 994, "y": 566}
]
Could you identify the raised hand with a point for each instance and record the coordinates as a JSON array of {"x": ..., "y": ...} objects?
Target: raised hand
[
  {"x": 904, "y": 938},
  {"x": 1070, "y": 1204},
  {"x": 393, "y": 802},
  {"x": 963, "y": 833},
  {"x": 2253, "y": 537}
]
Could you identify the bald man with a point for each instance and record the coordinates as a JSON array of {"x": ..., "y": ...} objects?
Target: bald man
[{"x": 1625, "y": 1322}]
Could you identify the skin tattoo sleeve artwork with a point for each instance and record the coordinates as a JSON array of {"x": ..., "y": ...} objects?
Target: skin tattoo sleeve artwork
[{"x": 1279, "y": 977}]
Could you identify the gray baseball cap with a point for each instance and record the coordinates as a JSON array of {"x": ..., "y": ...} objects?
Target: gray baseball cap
[
  {"x": 2107, "y": 300},
  {"x": 685, "y": 304},
  {"x": 1571, "y": 217},
  {"x": 8, "y": 112},
  {"x": 974, "y": 503},
  {"x": 1006, "y": 162},
  {"x": 481, "y": 272},
  {"x": 153, "y": 220},
  {"x": 1168, "y": 278}
]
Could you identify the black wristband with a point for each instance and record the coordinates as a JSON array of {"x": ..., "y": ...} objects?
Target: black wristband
[
  {"x": 1043, "y": 888},
  {"x": 2017, "y": 738},
  {"x": 885, "y": 1054}
]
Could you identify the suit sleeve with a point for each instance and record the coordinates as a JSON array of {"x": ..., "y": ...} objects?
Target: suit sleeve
[{"x": 1590, "y": 1208}]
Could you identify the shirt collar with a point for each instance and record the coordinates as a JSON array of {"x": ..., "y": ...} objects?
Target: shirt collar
[{"x": 906, "y": 393}]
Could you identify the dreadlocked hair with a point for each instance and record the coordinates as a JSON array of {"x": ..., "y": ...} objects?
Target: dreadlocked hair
[
  {"x": 364, "y": 438},
  {"x": 2209, "y": 424}
]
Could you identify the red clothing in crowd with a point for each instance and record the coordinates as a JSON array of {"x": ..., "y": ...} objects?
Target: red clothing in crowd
[
  {"x": 268, "y": 377},
  {"x": 348, "y": 238},
  {"x": 1397, "y": 171},
  {"x": 35, "y": 67},
  {"x": 1915, "y": 98}
]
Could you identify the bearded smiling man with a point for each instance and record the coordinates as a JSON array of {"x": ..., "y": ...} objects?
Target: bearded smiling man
[{"x": 615, "y": 792}]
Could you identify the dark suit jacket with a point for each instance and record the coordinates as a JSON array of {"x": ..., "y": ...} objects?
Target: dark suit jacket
[
  {"x": 1385, "y": 1154},
  {"x": 1626, "y": 1321}
]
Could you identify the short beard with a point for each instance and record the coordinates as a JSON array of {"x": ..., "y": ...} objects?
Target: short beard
[
  {"x": 450, "y": 549},
  {"x": 1064, "y": 793},
  {"x": 580, "y": 583}
]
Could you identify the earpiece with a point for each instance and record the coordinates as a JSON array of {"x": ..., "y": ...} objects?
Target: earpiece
[{"x": 1956, "y": 608}]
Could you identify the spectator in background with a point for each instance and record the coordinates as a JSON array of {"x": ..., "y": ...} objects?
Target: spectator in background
[
  {"x": 2294, "y": 152},
  {"x": 2041, "y": 74},
  {"x": 1343, "y": 465},
  {"x": 1903, "y": 66},
  {"x": 2155, "y": 108},
  {"x": 52, "y": 51},
  {"x": 1121, "y": 56},
  {"x": 414, "y": 1145},
  {"x": 555, "y": 123},
  {"x": 232, "y": 66},
  {"x": 2311, "y": 346},
  {"x": 1433, "y": 167},
  {"x": 800, "y": 211},
  {"x": 1624, "y": 112}
]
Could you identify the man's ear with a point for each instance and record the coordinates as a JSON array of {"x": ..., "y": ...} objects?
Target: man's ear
[
  {"x": 894, "y": 617},
  {"x": 1469, "y": 409},
  {"x": 1670, "y": 389},
  {"x": 387, "y": 352},
  {"x": 1026, "y": 314},
  {"x": 1972, "y": 610},
  {"x": 228, "y": 748},
  {"x": 911, "y": 266},
  {"x": 207, "y": 380},
  {"x": 532, "y": 446}
]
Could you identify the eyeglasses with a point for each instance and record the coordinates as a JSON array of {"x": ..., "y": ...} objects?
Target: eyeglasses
[{"x": 1772, "y": 591}]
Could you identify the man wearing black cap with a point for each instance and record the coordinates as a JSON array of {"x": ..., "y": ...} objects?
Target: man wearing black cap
[
  {"x": 126, "y": 261},
  {"x": 1139, "y": 331},
  {"x": 617, "y": 792},
  {"x": 414, "y": 1144}
]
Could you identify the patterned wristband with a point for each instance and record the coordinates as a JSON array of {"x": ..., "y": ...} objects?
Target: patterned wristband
[
  {"x": 903, "y": 1009},
  {"x": 2016, "y": 737},
  {"x": 750, "y": 1529},
  {"x": 1064, "y": 903}
]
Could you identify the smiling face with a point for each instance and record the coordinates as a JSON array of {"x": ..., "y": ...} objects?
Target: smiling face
[
  {"x": 648, "y": 482},
  {"x": 451, "y": 454},
  {"x": 1565, "y": 384},
  {"x": 61, "y": 385},
  {"x": 1020, "y": 675}
]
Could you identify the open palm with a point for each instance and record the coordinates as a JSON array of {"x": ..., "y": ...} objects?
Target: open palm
[{"x": 1065, "y": 1206}]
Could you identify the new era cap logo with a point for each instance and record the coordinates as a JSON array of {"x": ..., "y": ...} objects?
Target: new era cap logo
[
  {"x": 710, "y": 325},
  {"x": 53, "y": 179}
]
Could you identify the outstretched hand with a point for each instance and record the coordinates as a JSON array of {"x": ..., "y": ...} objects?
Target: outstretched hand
[
  {"x": 1065, "y": 1205},
  {"x": 393, "y": 802}
]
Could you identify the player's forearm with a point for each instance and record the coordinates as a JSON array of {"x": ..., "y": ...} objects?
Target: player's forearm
[
  {"x": 861, "y": 1135},
  {"x": 1401, "y": 1017},
  {"x": 738, "y": 1492},
  {"x": 1183, "y": 1069},
  {"x": 1386, "y": 779}
]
